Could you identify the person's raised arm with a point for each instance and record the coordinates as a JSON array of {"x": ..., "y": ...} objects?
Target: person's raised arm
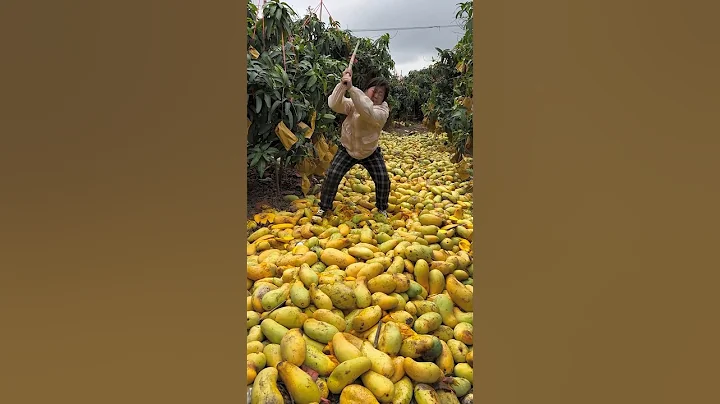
[
  {"x": 368, "y": 111},
  {"x": 337, "y": 100}
]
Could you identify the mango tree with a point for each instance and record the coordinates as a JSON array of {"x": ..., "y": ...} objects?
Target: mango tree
[
  {"x": 293, "y": 64},
  {"x": 447, "y": 107}
]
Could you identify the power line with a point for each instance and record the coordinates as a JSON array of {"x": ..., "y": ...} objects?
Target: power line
[{"x": 403, "y": 28}]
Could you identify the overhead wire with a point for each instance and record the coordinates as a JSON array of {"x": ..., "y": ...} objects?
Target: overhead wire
[
  {"x": 403, "y": 28},
  {"x": 321, "y": 5}
]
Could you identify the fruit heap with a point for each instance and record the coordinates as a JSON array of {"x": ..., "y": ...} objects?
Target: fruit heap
[{"x": 365, "y": 310}]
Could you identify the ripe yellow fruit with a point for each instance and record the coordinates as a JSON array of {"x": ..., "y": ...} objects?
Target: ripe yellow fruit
[
  {"x": 300, "y": 385},
  {"x": 346, "y": 372},
  {"x": 265, "y": 390},
  {"x": 292, "y": 347},
  {"x": 355, "y": 394},
  {"x": 381, "y": 309},
  {"x": 422, "y": 372}
]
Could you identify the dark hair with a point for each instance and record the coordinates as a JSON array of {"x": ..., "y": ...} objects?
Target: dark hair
[{"x": 379, "y": 82}]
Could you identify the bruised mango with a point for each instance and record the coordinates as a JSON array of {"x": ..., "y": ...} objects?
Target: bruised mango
[
  {"x": 316, "y": 360},
  {"x": 382, "y": 388},
  {"x": 366, "y": 318},
  {"x": 363, "y": 298},
  {"x": 265, "y": 390},
  {"x": 355, "y": 394},
  {"x": 332, "y": 256},
  {"x": 341, "y": 296},
  {"x": 380, "y": 308},
  {"x": 384, "y": 283},
  {"x": 423, "y": 347},
  {"x": 464, "y": 333},
  {"x": 445, "y": 361},
  {"x": 380, "y": 361},
  {"x": 272, "y": 330},
  {"x": 299, "y": 384},
  {"x": 289, "y": 317},
  {"x": 458, "y": 349},
  {"x": 343, "y": 349},
  {"x": 346, "y": 373},
  {"x": 292, "y": 347},
  {"x": 331, "y": 318},
  {"x": 403, "y": 391},
  {"x": 427, "y": 323},
  {"x": 319, "y": 330},
  {"x": 272, "y": 353},
  {"x": 422, "y": 372}
]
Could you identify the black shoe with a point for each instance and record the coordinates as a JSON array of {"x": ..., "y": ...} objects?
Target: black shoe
[
  {"x": 318, "y": 217},
  {"x": 381, "y": 216}
]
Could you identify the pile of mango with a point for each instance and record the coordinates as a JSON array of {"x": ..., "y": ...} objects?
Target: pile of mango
[{"x": 359, "y": 309}]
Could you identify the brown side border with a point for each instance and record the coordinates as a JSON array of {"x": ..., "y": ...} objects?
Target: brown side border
[{"x": 596, "y": 202}]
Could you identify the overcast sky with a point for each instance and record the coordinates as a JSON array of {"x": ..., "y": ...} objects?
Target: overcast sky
[{"x": 410, "y": 49}]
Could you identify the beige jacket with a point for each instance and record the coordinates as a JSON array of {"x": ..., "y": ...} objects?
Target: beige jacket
[{"x": 361, "y": 129}]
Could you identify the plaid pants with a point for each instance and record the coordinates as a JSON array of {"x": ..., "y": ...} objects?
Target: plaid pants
[{"x": 342, "y": 163}]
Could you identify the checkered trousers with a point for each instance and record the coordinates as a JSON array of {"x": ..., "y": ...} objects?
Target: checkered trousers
[{"x": 342, "y": 163}]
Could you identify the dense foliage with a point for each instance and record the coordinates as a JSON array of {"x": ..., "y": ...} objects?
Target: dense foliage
[
  {"x": 448, "y": 106},
  {"x": 409, "y": 94},
  {"x": 293, "y": 65}
]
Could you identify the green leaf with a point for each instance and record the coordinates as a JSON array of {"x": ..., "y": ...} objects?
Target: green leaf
[
  {"x": 255, "y": 159},
  {"x": 286, "y": 80},
  {"x": 265, "y": 128},
  {"x": 275, "y": 105},
  {"x": 329, "y": 116},
  {"x": 267, "y": 100},
  {"x": 286, "y": 27},
  {"x": 261, "y": 167},
  {"x": 258, "y": 105},
  {"x": 312, "y": 81}
]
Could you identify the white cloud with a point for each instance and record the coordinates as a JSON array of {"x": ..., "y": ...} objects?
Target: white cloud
[
  {"x": 418, "y": 63},
  {"x": 410, "y": 49}
]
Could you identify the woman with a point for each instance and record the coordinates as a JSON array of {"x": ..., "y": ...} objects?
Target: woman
[{"x": 367, "y": 111}]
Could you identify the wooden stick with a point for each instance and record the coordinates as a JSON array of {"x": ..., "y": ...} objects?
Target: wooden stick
[{"x": 353, "y": 55}]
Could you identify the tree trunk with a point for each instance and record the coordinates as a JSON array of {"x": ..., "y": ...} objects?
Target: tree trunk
[
  {"x": 388, "y": 125},
  {"x": 278, "y": 174}
]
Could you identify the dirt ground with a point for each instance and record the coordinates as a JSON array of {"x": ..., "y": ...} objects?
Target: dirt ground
[{"x": 263, "y": 190}]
